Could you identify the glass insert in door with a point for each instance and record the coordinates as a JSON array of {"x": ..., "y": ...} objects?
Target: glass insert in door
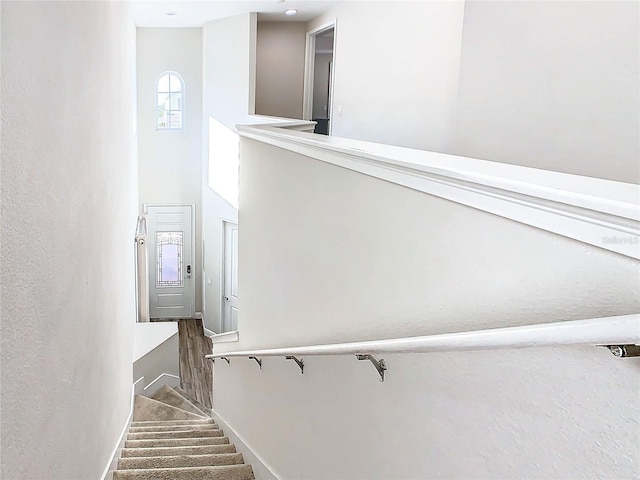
[{"x": 169, "y": 259}]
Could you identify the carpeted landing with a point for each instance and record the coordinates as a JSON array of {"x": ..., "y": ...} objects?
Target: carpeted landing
[{"x": 172, "y": 437}]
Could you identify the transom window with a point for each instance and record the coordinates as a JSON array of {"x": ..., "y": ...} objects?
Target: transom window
[{"x": 170, "y": 89}]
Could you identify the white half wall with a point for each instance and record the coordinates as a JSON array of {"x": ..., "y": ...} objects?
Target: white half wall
[
  {"x": 354, "y": 258},
  {"x": 396, "y": 71},
  {"x": 280, "y": 55},
  {"x": 552, "y": 85},
  {"x": 170, "y": 162},
  {"x": 69, "y": 207}
]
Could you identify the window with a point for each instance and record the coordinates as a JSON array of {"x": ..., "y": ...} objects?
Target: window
[{"x": 170, "y": 89}]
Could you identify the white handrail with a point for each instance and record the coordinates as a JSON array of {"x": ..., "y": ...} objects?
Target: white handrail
[{"x": 619, "y": 330}]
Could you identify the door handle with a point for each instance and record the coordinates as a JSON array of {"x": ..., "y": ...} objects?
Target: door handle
[{"x": 188, "y": 268}]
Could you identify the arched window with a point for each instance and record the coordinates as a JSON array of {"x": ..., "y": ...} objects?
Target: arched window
[{"x": 170, "y": 89}]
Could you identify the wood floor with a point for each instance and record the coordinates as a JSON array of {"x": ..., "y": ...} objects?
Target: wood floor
[{"x": 196, "y": 372}]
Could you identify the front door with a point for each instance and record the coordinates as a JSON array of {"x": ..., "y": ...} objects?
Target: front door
[
  {"x": 230, "y": 281},
  {"x": 171, "y": 282}
]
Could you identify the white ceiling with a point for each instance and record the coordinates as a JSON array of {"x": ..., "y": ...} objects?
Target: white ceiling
[{"x": 190, "y": 13}]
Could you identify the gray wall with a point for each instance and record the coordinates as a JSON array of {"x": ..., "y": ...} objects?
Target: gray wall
[
  {"x": 69, "y": 207},
  {"x": 280, "y": 52},
  {"x": 320, "y": 81}
]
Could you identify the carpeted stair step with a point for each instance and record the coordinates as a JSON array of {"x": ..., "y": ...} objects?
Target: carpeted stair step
[
  {"x": 161, "y": 423},
  {"x": 168, "y": 395},
  {"x": 192, "y": 400},
  {"x": 227, "y": 472},
  {"x": 173, "y": 428},
  {"x": 176, "y": 442},
  {"x": 175, "y": 434},
  {"x": 149, "y": 409},
  {"x": 177, "y": 451},
  {"x": 181, "y": 461}
]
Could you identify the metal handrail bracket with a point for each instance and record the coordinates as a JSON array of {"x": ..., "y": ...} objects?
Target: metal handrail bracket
[
  {"x": 300, "y": 362},
  {"x": 258, "y": 361},
  {"x": 379, "y": 365}
]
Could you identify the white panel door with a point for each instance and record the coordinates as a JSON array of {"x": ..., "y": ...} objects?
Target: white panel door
[
  {"x": 171, "y": 282},
  {"x": 230, "y": 281}
]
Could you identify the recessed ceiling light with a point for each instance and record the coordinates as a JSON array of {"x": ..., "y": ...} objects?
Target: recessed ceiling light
[
  {"x": 291, "y": 11},
  {"x": 171, "y": 14}
]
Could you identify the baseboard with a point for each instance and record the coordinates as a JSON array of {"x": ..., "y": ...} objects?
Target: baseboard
[
  {"x": 208, "y": 332},
  {"x": 112, "y": 464},
  {"x": 261, "y": 469},
  {"x": 197, "y": 315}
]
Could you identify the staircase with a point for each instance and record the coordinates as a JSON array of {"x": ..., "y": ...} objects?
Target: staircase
[{"x": 171, "y": 437}]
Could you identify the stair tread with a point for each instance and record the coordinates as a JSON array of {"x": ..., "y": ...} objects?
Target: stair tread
[
  {"x": 226, "y": 472},
  {"x": 173, "y": 428},
  {"x": 149, "y": 409},
  {"x": 184, "y": 450},
  {"x": 174, "y": 461},
  {"x": 168, "y": 395},
  {"x": 150, "y": 423},
  {"x": 176, "y": 442},
  {"x": 182, "y": 392},
  {"x": 176, "y": 434}
]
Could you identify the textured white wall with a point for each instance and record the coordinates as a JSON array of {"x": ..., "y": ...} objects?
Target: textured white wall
[
  {"x": 69, "y": 205},
  {"x": 355, "y": 258},
  {"x": 170, "y": 162},
  {"x": 396, "y": 71},
  {"x": 280, "y": 55},
  {"x": 552, "y": 85},
  {"x": 228, "y": 47}
]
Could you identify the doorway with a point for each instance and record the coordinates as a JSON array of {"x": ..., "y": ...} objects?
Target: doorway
[
  {"x": 170, "y": 252},
  {"x": 229, "y": 281},
  {"x": 319, "y": 74}
]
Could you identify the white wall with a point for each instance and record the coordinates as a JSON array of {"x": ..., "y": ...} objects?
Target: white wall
[
  {"x": 356, "y": 258},
  {"x": 228, "y": 57},
  {"x": 552, "y": 85},
  {"x": 280, "y": 55},
  {"x": 69, "y": 206},
  {"x": 170, "y": 162},
  {"x": 396, "y": 71}
]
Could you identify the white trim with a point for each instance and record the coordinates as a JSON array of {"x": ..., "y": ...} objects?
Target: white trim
[
  {"x": 261, "y": 469},
  {"x": 115, "y": 455},
  {"x": 309, "y": 66},
  {"x": 225, "y": 337},
  {"x": 623, "y": 329},
  {"x": 159, "y": 377},
  {"x": 197, "y": 315},
  {"x": 595, "y": 211}
]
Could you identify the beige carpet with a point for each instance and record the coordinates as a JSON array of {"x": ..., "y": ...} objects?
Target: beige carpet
[{"x": 172, "y": 438}]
